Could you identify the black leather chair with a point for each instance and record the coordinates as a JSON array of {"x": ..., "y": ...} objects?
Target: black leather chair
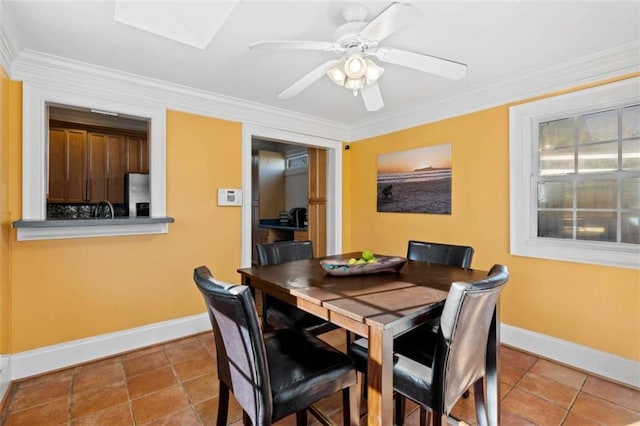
[
  {"x": 442, "y": 254},
  {"x": 275, "y": 312},
  {"x": 453, "y": 359},
  {"x": 271, "y": 375}
]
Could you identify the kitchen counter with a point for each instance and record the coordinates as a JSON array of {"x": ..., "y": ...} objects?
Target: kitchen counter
[
  {"x": 57, "y": 223},
  {"x": 275, "y": 224}
]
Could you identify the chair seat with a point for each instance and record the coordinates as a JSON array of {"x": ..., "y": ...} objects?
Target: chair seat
[
  {"x": 283, "y": 315},
  {"x": 411, "y": 377},
  {"x": 303, "y": 370}
]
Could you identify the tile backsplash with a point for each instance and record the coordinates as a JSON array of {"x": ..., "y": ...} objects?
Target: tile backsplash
[{"x": 81, "y": 211}]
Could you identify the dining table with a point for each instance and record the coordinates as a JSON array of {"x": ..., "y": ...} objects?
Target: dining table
[{"x": 379, "y": 307}]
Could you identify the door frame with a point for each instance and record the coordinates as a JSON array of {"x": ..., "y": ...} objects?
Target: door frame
[{"x": 334, "y": 183}]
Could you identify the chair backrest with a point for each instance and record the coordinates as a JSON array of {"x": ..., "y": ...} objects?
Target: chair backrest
[
  {"x": 443, "y": 254},
  {"x": 465, "y": 322},
  {"x": 283, "y": 251},
  {"x": 242, "y": 360}
]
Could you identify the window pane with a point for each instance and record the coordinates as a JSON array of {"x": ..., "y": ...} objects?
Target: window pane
[
  {"x": 555, "y": 224},
  {"x": 297, "y": 161},
  {"x": 557, "y": 162},
  {"x": 631, "y": 193},
  {"x": 555, "y": 195},
  {"x": 554, "y": 134},
  {"x": 598, "y": 158},
  {"x": 597, "y": 194},
  {"x": 597, "y": 226},
  {"x": 631, "y": 155},
  {"x": 601, "y": 126},
  {"x": 631, "y": 227},
  {"x": 631, "y": 122}
]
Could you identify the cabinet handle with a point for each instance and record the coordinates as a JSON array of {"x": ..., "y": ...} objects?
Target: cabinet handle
[{"x": 89, "y": 190}]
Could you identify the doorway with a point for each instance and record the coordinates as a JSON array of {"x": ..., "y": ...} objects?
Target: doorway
[{"x": 331, "y": 149}]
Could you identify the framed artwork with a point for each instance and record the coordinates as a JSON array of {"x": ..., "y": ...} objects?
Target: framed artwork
[{"x": 415, "y": 181}]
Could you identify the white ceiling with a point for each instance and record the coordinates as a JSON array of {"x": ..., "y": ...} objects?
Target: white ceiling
[{"x": 499, "y": 41}]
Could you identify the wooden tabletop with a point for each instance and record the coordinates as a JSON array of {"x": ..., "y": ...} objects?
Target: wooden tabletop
[{"x": 374, "y": 299}]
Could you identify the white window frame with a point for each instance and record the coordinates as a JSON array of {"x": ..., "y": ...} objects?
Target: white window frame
[
  {"x": 523, "y": 121},
  {"x": 35, "y": 162}
]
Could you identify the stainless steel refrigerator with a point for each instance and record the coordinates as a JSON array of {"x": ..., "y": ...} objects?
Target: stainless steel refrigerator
[{"x": 138, "y": 194}]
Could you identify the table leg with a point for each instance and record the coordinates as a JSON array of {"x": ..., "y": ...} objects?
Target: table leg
[
  {"x": 493, "y": 383},
  {"x": 380, "y": 377}
]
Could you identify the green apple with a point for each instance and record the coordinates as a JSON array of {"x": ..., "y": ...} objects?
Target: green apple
[
  {"x": 367, "y": 254},
  {"x": 352, "y": 261}
]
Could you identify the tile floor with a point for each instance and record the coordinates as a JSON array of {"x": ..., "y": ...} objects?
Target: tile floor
[{"x": 176, "y": 384}]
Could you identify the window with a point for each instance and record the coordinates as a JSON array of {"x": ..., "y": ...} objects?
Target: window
[
  {"x": 96, "y": 158},
  {"x": 575, "y": 176},
  {"x": 297, "y": 161},
  {"x": 33, "y": 225}
]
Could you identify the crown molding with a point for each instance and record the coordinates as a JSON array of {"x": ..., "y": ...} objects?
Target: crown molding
[
  {"x": 620, "y": 60},
  {"x": 53, "y": 71},
  {"x": 8, "y": 40},
  {"x": 50, "y": 71}
]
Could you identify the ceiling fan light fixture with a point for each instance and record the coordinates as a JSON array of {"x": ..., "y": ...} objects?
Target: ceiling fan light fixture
[
  {"x": 354, "y": 84},
  {"x": 337, "y": 75},
  {"x": 373, "y": 72},
  {"x": 355, "y": 66}
]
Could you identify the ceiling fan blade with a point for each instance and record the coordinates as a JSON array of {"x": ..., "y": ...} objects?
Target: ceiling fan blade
[
  {"x": 420, "y": 62},
  {"x": 294, "y": 45},
  {"x": 307, "y": 80},
  {"x": 372, "y": 97},
  {"x": 394, "y": 18}
]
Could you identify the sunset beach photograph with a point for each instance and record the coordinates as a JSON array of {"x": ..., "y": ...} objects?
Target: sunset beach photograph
[{"x": 415, "y": 181}]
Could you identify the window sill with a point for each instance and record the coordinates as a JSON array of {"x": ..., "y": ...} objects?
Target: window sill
[
  {"x": 596, "y": 253},
  {"x": 81, "y": 228}
]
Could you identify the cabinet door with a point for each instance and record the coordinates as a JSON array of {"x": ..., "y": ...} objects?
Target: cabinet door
[
  {"x": 66, "y": 166},
  {"x": 137, "y": 155},
  {"x": 144, "y": 155},
  {"x": 318, "y": 200},
  {"x": 115, "y": 169},
  {"x": 57, "y": 166},
  {"x": 75, "y": 186},
  {"x": 97, "y": 167}
]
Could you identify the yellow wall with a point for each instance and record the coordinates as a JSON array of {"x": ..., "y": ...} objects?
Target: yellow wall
[
  {"x": 594, "y": 306},
  {"x": 64, "y": 290},
  {"x": 76, "y": 288},
  {"x": 5, "y": 217}
]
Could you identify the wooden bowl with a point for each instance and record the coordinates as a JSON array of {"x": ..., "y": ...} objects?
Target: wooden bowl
[{"x": 385, "y": 264}]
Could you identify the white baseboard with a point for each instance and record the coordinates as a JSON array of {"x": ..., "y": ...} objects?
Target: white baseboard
[
  {"x": 603, "y": 364},
  {"x": 41, "y": 360}
]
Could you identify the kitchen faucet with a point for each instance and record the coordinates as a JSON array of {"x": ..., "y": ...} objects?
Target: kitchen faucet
[{"x": 102, "y": 203}]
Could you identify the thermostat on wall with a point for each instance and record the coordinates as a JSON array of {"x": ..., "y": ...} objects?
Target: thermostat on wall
[{"x": 229, "y": 197}]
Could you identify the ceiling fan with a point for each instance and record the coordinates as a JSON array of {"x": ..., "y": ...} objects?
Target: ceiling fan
[{"x": 357, "y": 41}]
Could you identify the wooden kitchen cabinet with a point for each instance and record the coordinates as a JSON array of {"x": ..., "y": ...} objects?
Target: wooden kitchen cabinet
[
  {"x": 272, "y": 235},
  {"x": 96, "y": 168},
  {"x": 67, "y": 182},
  {"x": 89, "y": 166},
  {"x": 105, "y": 168},
  {"x": 301, "y": 235},
  {"x": 137, "y": 155}
]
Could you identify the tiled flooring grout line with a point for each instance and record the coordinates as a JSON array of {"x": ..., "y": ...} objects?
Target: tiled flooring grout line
[
  {"x": 575, "y": 399},
  {"x": 126, "y": 382}
]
